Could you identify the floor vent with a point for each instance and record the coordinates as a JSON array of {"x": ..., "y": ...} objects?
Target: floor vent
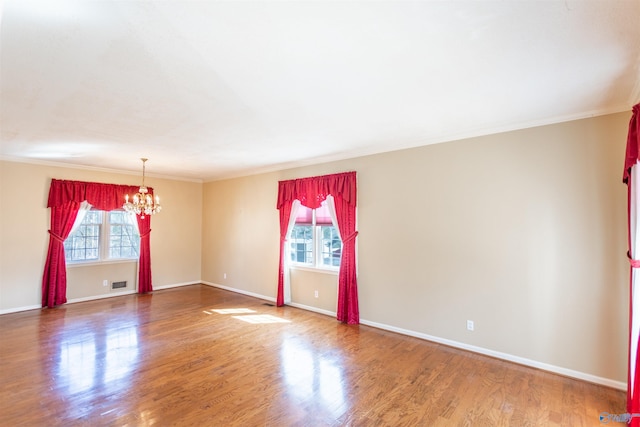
[
  {"x": 118, "y": 285},
  {"x": 268, "y": 303}
]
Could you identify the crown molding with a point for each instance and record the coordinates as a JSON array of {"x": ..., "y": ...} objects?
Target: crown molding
[{"x": 94, "y": 168}]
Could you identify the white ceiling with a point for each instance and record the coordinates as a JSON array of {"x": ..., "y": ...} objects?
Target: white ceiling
[{"x": 213, "y": 89}]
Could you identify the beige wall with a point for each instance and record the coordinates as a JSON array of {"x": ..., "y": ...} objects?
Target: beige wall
[
  {"x": 305, "y": 283},
  {"x": 521, "y": 232},
  {"x": 175, "y": 237},
  {"x": 88, "y": 281},
  {"x": 240, "y": 234}
]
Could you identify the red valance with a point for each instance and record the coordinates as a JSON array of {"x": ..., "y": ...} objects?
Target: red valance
[
  {"x": 312, "y": 191},
  {"x": 104, "y": 197}
]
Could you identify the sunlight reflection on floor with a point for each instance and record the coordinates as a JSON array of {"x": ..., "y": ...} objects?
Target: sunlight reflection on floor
[
  {"x": 310, "y": 376},
  {"x": 233, "y": 310},
  {"x": 261, "y": 318},
  {"x": 88, "y": 360}
]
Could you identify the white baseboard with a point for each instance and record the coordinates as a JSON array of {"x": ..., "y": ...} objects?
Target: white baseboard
[
  {"x": 103, "y": 296},
  {"x": 96, "y": 297},
  {"x": 176, "y": 285},
  {"x": 18, "y": 309},
  {"x": 239, "y": 291},
  {"x": 314, "y": 309},
  {"x": 264, "y": 297},
  {"x": 130, "y": 292},
  {"x": 503, "y": 356}
]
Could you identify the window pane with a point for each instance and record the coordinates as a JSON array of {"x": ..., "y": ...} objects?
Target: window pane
[
  {"x": 301, "y": 242},
  {"x": 124, "y": 240},
  {"x": 91, "y": 254},
  {"x": 116, "y": 217},
  {"x": 331, "y": 247},
  {"x": 93, "y": 217},
  {"x": 83, "y": 244}
]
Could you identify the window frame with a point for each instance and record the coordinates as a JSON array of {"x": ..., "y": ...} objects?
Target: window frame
[
  {"x": 317, "y": 249},
  {"x": 104, "y": 243}
]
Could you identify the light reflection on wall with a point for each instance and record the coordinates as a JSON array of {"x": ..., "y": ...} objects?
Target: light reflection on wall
[
  {"x": 311, "y": 376},
  {"x": 87, "y": 360}
]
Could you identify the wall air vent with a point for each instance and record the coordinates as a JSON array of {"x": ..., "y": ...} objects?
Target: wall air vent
[{"x": 119, "y": 285}]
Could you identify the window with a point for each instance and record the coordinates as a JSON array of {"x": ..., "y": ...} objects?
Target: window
[
  {"x": 103, "y": 236},
  {"x": 84, "y": 243},
  {"x": 314, "y": 241}
]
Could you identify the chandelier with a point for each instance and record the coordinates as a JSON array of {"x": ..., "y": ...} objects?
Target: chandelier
[{"x": 142, "y": 203}]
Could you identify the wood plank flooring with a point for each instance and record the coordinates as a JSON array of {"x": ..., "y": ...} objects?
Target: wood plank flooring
[{"x": 169, "y": 359}]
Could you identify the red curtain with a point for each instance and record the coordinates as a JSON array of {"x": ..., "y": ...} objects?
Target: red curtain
[
  {"x": 54, "y": 280},
  {"x": 311, "y": 192},
  {"x": 631, "y": 178},
  {"x": 144, "y": 265},
  {"x": 64, "y": 200},
  {"x": 347, "y": 281}
]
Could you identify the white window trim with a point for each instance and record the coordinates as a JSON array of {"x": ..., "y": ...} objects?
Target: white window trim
[
  {"x": 317, "y": 254},
  {"x": 72, "y": 264},
  {"x": 304, "y": 267}
]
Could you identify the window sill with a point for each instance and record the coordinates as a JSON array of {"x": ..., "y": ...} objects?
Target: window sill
[
  {"x": 315, "y": 269},
  {"x": 94, "y": 263}
]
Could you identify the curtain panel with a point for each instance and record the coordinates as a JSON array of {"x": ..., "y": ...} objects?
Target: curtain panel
[
  {"x": 64, "y": 200},
  {"x": 631, "y": 177},
  {"x": 144, "y": 263},
  {"x": 54, "y": 280},
  {"x": 311, "y": 192},
  {"x": 284, "y": 293}
]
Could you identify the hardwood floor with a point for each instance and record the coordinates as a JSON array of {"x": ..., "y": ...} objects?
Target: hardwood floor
[{"x": 169, "y": 359}]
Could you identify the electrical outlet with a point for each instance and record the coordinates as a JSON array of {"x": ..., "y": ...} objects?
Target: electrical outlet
[
  {"x": 470, "y": 325},
  {"x": 105, "y": 283},
  {"x": 315, "y": 294},
  {"x": 225, "y": 275}
]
